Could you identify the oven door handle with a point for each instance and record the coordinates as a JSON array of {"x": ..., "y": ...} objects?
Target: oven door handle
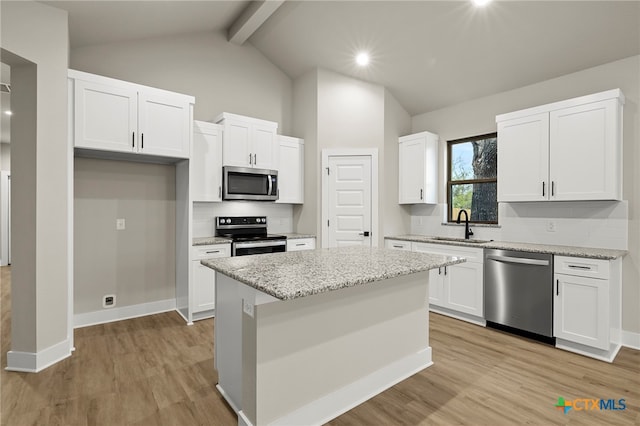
[
  {"x": 521, "y": 260},
  {"x": 270, "y": 243}
]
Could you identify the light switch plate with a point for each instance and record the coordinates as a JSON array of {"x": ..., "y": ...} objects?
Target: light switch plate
[
  {"x": 120, "y": 224},
  {"x": 247, "y": 307}
]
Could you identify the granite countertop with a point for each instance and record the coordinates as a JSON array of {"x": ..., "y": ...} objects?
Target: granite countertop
[
  {"x": 588, "y": 252},
  {"x": 205, "y": 241},
  {"x": 295, "y": 236},
  {"x": 291, "y": 275}
]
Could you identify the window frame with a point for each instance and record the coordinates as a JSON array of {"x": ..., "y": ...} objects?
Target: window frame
[{"x": 450, "y": 183}]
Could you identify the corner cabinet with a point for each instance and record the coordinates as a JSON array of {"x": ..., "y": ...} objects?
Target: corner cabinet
[
  {"x": 587, "y": 306},
  {"x": 290, "y": 170},
  {"x": 117, "y": 116},
  {"x": 457, "y": 290},
  {"x": 248, "y": 142},
  {"x": 418, "y": 169},
  {"x": 573, "y": 150},
  {"x": 206, "y": 162}
]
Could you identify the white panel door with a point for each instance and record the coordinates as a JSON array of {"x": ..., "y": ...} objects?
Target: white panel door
[
  {"x": 582, "y": 155},
  {"x": 164, "y": 125},
  {"x": 523, "y": 159},
  {"x": 106, "y": 117},
  {"x": 236, "y": 144},
  {"x": 581, "y": 310},
  {"x": 264, "y": 147},
  {"x": 349, "y": 201}
]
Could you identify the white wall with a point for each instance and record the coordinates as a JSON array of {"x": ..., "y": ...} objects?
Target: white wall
[
  {"x": 221, "y": 75},
  {"x": 600, "y": 224},
  {"x": 5, "y": 157},
  {"x": 35, "y": 44}
]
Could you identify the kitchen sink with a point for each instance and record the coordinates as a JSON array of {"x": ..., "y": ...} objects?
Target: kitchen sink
[{"x": 460, "y": 240}]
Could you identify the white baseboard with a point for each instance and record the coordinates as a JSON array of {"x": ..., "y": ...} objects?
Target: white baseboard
[
  {"x": 630, "y": 339},
  {"x": 125, "y": 312},
  {"x": 34, "y": 362}
]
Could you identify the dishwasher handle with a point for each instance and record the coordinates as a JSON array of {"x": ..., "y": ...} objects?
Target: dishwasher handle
[{"x": 521, "y": 260}]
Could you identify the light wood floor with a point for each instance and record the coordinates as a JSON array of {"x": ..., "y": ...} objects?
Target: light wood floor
[{"x": 158, "y": 371}]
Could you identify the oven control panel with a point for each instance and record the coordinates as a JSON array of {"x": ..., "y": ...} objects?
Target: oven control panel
[{"x": 244, "y": 221}]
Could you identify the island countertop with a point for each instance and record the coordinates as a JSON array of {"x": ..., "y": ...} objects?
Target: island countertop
[{"x": 291, "y": 275}]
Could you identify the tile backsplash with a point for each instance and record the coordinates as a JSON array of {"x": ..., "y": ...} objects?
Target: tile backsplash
[
  {"x": 279, "y": 216},
  {"x": 602, "y": 224}
]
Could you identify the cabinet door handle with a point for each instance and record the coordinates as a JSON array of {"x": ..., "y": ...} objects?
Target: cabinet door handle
[
  {"x": 300, "y": 244},
  {"x": 395, "y": 246},
  {"x": 421, "y": 194},
  {"x": 250, "y": 159},
  {"x": 440, "y": 270},
  {"x": 543, "y": 188},
  {"x": 142, "y": 140},
  {"x": 213, "y": 251},
  {"x": 557, "y": 287},
  {"x": 255, "y": 159},
  {"x": 445, "y": 270},
  {"x": 133, "y": 139},
  {"x": 219, "y": 191},
  {"x": 584, "y": 268},
  {"x": 553, "y": 188}
]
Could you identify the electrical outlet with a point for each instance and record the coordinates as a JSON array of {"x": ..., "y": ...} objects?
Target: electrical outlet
[
  {"x": 247, "y": 307},
  {"x": 120, "y": 224},
  {"x": 551, "y": 226},
  {"x": 109, "y": 301}
]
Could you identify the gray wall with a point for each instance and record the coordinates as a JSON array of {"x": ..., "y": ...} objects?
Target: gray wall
[
  {"x": 478, "y": 117},
  {"x": 223, "y": 77},
  {"x": 35, "y": 42},
  {"x": 5, "y": 156},
  {"x": 335, "y": 111},
  {"x": 136, "y": 264}
]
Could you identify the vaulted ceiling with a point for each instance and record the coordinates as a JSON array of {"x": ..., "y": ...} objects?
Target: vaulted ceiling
[{"x": 429, "y": 54}]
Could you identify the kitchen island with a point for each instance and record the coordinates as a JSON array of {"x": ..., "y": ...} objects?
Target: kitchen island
[{"x": 302, "y": 337}]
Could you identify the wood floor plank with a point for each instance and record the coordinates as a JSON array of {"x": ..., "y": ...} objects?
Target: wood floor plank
[{"x": 156, "y": 370}]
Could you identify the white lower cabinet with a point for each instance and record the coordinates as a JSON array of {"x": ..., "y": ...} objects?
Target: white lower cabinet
[
  {"x": 203, "y": 279},
  {"x": 456, "y": 290},
  {"x": 298, "y": 244},
  {"x": 587, "y": 306}
]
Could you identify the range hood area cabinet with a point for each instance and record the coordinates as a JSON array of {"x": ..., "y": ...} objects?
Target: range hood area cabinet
[
  {"x": 418, "y": 168},
  {"x": 206, "y": 162},
  {"x": 564, "y": 151},
  {"x": 248, "y": 142},
  {"x": 111, "y": 115}
]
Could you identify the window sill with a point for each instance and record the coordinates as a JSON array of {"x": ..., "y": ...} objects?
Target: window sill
[{"x": 474, "y": 225}]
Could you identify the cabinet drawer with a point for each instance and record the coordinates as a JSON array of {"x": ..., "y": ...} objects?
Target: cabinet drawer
[
  {"x": 301, "y": 244},
  {"x": 398, "y": 245},
  {"x": 211, "y": 251},
  {"x": 474, "y": 255},
  {"x": 581, "y": 267}
]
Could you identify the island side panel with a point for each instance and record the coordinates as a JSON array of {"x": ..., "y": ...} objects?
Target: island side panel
[
  {"x": 360, "y": 340},
  {"x": 228, "y": 339}
]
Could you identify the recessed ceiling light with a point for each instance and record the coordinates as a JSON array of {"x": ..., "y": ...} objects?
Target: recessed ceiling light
[
  {"x": 481, "y": 3},
  {"x": 362, "y": 59},
  {"x": 8, "y": 112}
]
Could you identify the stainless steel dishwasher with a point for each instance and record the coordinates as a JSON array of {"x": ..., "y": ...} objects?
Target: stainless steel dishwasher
[{"x": 518, "y": 290}]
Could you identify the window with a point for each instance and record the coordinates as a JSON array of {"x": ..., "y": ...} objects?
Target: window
[{"x": 472, "y": 178}]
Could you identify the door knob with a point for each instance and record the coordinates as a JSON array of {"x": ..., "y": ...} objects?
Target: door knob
[{"x": 365, "y": 233}]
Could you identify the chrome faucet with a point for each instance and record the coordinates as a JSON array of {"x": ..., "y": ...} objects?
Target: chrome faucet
[{"x": 467, "y": 232}]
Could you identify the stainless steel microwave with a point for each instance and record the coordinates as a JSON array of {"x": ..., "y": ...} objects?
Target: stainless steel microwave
[{"x": 246, "y": 183}]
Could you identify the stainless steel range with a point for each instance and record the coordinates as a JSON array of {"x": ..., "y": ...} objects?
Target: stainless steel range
[{"x": 249, "y": 235}]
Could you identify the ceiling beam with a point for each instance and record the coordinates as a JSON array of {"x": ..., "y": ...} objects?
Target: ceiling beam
[{"x": 256, "y": 14}]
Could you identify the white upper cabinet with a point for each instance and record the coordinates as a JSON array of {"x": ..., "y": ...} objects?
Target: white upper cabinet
[
  {"x": 117, "y": 116},
  {"x": 248, "y": 142},
  {"x": 418, "y": 169},
  {"x": 290, "y": 170},
  {"x": 206, "y": 162},
  {"x": 566, "y": 151},
  {"x": 523, "y": 151}
]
